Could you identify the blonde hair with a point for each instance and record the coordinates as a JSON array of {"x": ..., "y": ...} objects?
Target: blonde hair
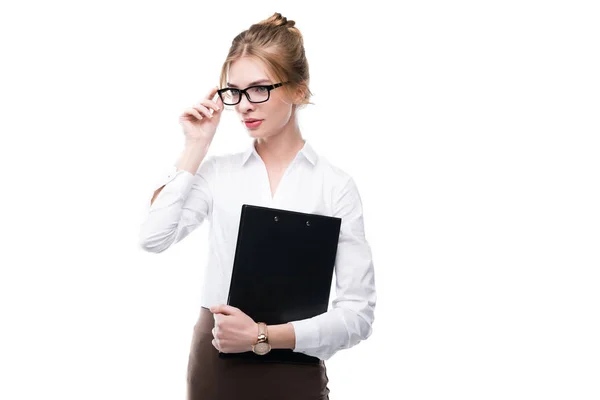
[{"x": 279, "y": 45}]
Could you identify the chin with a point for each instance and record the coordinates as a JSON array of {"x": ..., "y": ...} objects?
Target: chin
[{"x": 258, "y": 133}]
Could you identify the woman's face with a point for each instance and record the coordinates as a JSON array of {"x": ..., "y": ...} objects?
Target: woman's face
[{"x": 275, "y": 114}]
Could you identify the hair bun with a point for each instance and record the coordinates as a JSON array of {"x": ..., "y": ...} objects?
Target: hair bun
[{"x": 278, "y": 20}]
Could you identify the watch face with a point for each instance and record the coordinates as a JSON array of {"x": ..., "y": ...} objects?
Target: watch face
[{"x": 262, "y": 348}]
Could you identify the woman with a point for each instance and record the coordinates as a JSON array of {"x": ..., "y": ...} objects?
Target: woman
[{"x": 265, "y": 77}]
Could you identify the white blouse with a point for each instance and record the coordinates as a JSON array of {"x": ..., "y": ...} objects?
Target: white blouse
[{"x": 310, "y": 184}]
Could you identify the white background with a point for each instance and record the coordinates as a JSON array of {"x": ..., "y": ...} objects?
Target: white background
[{"x": 471, "y": 129}]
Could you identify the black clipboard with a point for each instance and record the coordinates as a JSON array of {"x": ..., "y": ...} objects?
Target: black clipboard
[{"x": 282, "y": 271}]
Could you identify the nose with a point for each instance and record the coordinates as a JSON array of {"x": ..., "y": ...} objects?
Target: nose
[{"x": 244, "y": 105}]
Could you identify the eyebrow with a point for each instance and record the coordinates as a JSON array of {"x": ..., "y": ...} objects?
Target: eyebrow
[{"x": 251, "y": 83}]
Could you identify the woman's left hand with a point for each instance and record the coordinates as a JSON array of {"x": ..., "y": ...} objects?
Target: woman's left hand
[{"x": 234, "y": 331}]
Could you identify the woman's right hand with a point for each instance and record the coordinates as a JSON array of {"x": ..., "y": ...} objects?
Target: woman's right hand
[{"x": 197, "y": 121}]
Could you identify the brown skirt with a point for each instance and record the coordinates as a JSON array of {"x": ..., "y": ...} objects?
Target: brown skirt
[{"x": 215, "y": 378}]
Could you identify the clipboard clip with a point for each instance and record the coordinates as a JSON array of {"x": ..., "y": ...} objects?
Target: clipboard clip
[{"x": 276, "y": 219}]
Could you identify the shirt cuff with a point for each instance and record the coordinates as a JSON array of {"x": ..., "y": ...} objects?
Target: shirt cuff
[
  {"x": 175, "y": 182},
  {"x": 307, "y": 335}
]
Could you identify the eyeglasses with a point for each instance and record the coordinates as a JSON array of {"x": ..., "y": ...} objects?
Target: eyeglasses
[{"x": 254, "y": 94}]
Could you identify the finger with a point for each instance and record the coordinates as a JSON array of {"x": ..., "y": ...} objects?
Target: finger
[
  {"x": 223, "y": 309},
  {"x": 203, "y": 110},
  {"x": 212, "y": 104},
  {"x": 228, "y": 310},
  {"x": 211, "y": 93},
  {"x": 214, "y": 343},
  {"x": 193, "y": 112}
]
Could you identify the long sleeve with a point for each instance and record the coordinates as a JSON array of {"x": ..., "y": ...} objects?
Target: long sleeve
[
  {"x": 351, "y": 316},
  {"x": 182, "y": 206}
]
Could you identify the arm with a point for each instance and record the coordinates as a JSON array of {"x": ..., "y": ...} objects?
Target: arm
[
  {"x": 351, "y": 317},
  {"x": 190, "y": 160},
  {"x": 282, "y": 336},
  {"x": 181, "y": 204}
]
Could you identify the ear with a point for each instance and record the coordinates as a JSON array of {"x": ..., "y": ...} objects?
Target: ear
[{"x": 299, "y": 94}]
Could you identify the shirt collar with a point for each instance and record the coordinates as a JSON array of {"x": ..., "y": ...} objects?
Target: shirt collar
[{"x": 307, "y": 152}]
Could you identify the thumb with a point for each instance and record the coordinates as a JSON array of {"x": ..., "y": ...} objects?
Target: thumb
[
  {"x": 220, "y": 103},
  {"x": 223, "y": 309}
]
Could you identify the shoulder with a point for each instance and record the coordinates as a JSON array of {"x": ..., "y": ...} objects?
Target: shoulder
[
  {"x": 346, "y": 201},
  {"x": 338, "y": 177},
  {"x": 345, "y": 198}
]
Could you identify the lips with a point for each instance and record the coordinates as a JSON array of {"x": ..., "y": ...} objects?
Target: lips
[
  {"x": 253, "y": 124},
  {"x": 252, "y": 120}
]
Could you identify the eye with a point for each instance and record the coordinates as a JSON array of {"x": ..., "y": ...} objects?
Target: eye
[{"x": 261, "y": 89}]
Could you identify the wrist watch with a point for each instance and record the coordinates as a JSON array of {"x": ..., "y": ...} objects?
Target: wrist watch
[{"x": 262, "y": 346}]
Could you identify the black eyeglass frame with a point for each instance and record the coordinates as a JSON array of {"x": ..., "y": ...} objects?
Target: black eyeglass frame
[{"x": 244, "y": 91}]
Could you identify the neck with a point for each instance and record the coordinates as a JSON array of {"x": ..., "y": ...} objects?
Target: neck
[{"x": 280, "y": 149}]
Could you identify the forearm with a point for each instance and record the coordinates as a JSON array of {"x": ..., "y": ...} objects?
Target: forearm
[
  {"x": 282, "y": 336},
  {"x": 192, "y": 156},
  {"x": 190, "y": 160},
  {"x": 339, "y": 328}
]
